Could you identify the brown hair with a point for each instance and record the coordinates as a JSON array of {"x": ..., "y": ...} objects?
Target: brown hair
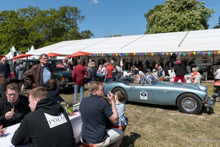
[
  {"x": 94, "y": 86},
  {"x": 20, "y": 62},
  {"x": 43, "y": 55},
  {"x": 79, "y": 61},
  {"x": 120, "y": 95},
  {"x": 2, "y": 79},
  {"x": 39, "y": 92},
  {"x": 50, "y": 85},
  {"x": 12, "y": 86}
]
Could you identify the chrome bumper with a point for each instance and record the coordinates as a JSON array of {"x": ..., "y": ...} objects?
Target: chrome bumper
[
  {"x": 209, "y": 102},
  {"x": 65, "y": 84}
]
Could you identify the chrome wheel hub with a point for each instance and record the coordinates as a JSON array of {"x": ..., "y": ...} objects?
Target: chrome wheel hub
[{"x": 189, "y": 104}]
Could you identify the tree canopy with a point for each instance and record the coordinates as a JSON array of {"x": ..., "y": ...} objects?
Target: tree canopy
[
  {"x": 217, "y": 26},
  {"x": 32, "y": 26},
  {"x": 178, "y": 15}
]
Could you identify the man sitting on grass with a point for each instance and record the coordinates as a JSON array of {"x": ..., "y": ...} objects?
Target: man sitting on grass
[{"x": 94, "y": 112}]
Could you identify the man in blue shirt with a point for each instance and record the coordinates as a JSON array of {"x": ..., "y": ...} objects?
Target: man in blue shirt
[
  {"x": 39, "y": 74},
  {"x": 96, "y": 115}
]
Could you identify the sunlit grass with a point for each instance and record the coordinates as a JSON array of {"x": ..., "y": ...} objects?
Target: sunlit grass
[{"x": 154, "y": 125}]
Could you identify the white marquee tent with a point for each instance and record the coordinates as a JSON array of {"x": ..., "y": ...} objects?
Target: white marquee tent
[
  {"x": 189, "y": 41},
  {"x": 11, "y": 53}
]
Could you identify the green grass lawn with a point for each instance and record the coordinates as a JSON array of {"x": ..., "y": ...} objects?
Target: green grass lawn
[{"x": 155, "y": 125}]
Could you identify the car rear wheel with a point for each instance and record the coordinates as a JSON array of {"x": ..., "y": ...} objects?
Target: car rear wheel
[
  {"x": 121, "y": 89},
  {"x": 189, "y": 103}
]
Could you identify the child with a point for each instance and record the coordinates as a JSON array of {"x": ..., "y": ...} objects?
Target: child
[{"x": 120, "y": 106}]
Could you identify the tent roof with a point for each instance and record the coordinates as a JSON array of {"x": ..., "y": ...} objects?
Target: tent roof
[
  {"x": 80, "y": 45},
  {"x": 52, "y": 48},
  {"x": 166, "y": 42},
  {"x": 112, "y": 45},
  {"x": 202, "y": 40}
]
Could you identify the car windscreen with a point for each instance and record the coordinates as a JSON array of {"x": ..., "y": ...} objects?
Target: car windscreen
[
  {"x": 28, "y": 64},
  {"x": 150, "y": 78}
]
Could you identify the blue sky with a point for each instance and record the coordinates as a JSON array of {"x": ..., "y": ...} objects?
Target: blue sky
[{"x": 108, "y": 17}]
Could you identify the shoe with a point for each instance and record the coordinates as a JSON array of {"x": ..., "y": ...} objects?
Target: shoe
[{"x": 214, "y": 96}]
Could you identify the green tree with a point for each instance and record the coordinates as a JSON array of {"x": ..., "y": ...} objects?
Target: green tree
[
  {"x": 217, "y": 26},
  {"x": 178, "y": 15},
  {"x": 32, "y": 26}
]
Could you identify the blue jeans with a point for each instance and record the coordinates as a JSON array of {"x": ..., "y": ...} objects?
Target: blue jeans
[
  {"x": 76, "y": 89},
  {"x": 108, "y": 80}
]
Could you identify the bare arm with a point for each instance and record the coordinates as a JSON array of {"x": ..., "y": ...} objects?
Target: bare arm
[{"x": 114, "y": 117}]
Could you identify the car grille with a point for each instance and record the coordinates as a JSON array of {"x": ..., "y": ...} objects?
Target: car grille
[{"x": 70, "y": 79}]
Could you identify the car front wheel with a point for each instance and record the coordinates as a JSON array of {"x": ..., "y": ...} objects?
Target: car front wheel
[{"x": 189, "y": 103}]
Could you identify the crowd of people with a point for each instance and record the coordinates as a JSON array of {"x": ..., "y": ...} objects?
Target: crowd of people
[
  {"x": 173, "y": 71},
  {"x": 42, "y": 110},
  {"x": 103, "y": 119}
]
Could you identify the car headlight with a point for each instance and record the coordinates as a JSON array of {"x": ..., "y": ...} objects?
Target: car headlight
[
  {"x": 62, "y": 79},
  {"x": 67, "y": 79}
]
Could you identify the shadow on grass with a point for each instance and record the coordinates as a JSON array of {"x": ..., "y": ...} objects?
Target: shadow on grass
[
  {"x": 167, "y": 107},
  {"x": 129, "y": 140},
  {"x": 70, "y": 90},
  {"x": 67, "y": 91},
  {"x": 206, "y": 110},
  {"x": 209, "y": 110}
]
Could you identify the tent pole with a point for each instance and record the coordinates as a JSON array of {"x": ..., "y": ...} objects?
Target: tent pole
[
  {"x": 213, "y": 57},
  {"x": 120, "y": 63},
  {"x": 132, "y": 59}
]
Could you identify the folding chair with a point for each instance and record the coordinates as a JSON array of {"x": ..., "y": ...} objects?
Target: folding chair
[{"x": 197, "y": 79}]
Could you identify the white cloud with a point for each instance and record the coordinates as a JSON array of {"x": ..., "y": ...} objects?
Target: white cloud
[{"x": 95, "y": 1}]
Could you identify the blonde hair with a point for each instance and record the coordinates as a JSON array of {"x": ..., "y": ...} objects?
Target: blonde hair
[
  {"x": 194, "y": 69},
  {"x": 91, "y": 64},
  {"x": 12, "y": 86},
  {"x": 100, "y": 66},
  {"x": 94, "y": 86},
  {"x": 39, "y": 92}
]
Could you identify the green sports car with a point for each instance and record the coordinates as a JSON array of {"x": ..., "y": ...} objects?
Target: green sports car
[{"x": 189, "y": 98}]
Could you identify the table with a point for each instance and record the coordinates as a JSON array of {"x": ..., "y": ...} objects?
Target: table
[{"x": 76, "y": 121}]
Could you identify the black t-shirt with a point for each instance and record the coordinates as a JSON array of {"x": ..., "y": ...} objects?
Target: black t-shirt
[{"x": 94, "y": 112}]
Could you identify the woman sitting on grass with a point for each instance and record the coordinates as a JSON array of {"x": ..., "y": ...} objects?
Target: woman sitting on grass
[
  {"x": 51, "y": 86},
  {"x": 120, "y": 106}
]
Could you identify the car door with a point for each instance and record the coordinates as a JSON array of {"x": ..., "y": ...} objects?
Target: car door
[
  {"x": 164, "y": 94},
  {"x": 141, "y": 93}
]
